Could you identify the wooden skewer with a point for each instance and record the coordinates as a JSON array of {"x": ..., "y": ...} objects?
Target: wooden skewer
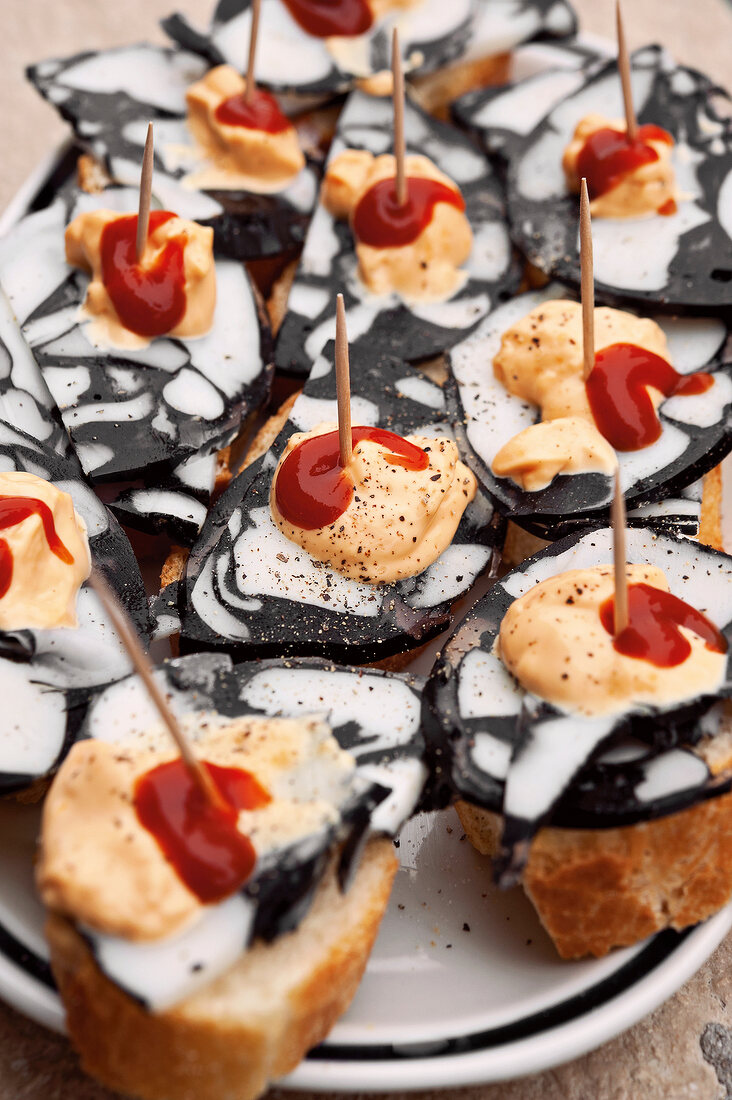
[
  {"x": 398, "y": 101},
  {"x": 142, "y": 666},
  {"x": 143, "y": 210},
  {"x": 251, "y": 83},
  {"x": 343, "y": 384},
  {"x": 587, "y": 283},
  {"x": 619, "y": 558},
  {"x": 631, "y": 122}
]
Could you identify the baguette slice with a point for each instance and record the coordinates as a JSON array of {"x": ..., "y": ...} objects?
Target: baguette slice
[
  {"x": 596, "y": 889},
  {"x": 436, "y": 92},
  {"x": 251, "y": 1025}
]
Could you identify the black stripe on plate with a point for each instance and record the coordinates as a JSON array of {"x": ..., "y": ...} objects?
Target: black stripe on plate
[
  {"x": 661, "y": 947},
  {"x": 25, "y": 959}
]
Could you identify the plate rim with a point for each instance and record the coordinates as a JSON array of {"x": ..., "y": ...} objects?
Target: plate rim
[{"x": 551, "y": 1047}]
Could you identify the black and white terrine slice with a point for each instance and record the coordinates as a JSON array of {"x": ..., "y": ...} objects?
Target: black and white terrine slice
[
  {"x": 504, "y": 750},
  {"x": 46, "y": 675},
  {"x": 432, "y": 34},
  {"x": 677, "y": 263},
  {"x": 501, "y": 116},
  {"x": 385, "y": 324},
  {"x": 696, "y": 430},
  {"x": 110, "y": 96},
  {"x": 251, "y": 591},
  {"x": 373, "y": 715},
  {"x": 158, "y": 414}
]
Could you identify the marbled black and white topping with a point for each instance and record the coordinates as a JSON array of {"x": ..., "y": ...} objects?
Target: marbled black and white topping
[
  {"x": 174, "y": 503},
  {"x": 682, "y": 262},
  {"x": 384, "y": 323},
  {"x": 696, "y": 431},
  {"x": 46, "y": 674},
  {"x": 432, "y": 34},
  {"x": 158, "y": 413},
  {"x": 373, "y": 715},
  {"x": 677, "y": 515},
  {"x": 110, "y": 96},
  {"x": 248, "y": 589},
  {"x": 503, "y": 115},
  {"x": 505, "y": 750}
]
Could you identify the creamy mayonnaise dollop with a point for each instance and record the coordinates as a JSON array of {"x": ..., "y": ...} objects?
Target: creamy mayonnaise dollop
[
  {"x": 398, "y": 521},
  {"x": 553, "y": 641},
  {"x": 83, "y": 250},
  {"x": 101, "y": 867},
  {"x": 426, "y": 270},
  {"x": 643, "y": 190},
  {"x": 540, "y": 360},
  {"x": 237, "y": 157},
  {"x": 42, "y": 587},
  {"x": 538, "y": 454}
]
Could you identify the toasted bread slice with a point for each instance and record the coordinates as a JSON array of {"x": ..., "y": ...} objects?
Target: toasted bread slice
[
  {"x": 279, "y": 296},
  {"x": 436, "y": 91},
  {"x": 269, "y": 431},
  {"x": 710, "y": 528},
  {"x": 251, "y": 1025},
  {"x": 91, "y": 175},
  {"x": 596, "y": 889}
]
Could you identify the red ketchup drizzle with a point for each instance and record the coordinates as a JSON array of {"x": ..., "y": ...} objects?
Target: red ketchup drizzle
[
  {"x": 263, "y": 113},
  {"x": 653, "y": 633},
  {"x": 312, "y": 489},
  {"x": 14, "y": 510},
  {"x": 199, "y": 840},
  {"x": 618, "y": 397},
  {"x": 667, "y": 208},
  {"x": 323, "y": 18},
  {"x": 380, "y": 222},
  {"x": 607, "y": 156},
  {"x": 150, "y": 300}
]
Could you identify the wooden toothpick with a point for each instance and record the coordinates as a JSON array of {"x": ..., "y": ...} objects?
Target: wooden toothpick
[
  {"x": 398, "y": 100},
  {"x": 624, "y": 68},
  {"x": 251, "y": 83},
  {"x": 343, "y": 384},
  {"x": 619, "y": 557},
  {"x": 587, "y": 283},
  {"x": 143, "y": 210},
  {"x": 141, "y": 663}
]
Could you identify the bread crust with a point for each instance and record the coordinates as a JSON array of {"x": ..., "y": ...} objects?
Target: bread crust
[
  {"x": 436, "y": 91},
  {"x": 91, "y": 175},
  {"x": 279, "y": 296},
  {"x": 596, "y": 889},
  {"x": 710, "y": 527},
  {"x": 209, "y": 1047},
  {"x": 269, "y": 431}
]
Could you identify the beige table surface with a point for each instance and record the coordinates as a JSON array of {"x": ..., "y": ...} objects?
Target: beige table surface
[{"x": 684, "y": 1049}]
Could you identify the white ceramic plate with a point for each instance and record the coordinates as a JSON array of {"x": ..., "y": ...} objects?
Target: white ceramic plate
[{"x": 463, "y": 986}]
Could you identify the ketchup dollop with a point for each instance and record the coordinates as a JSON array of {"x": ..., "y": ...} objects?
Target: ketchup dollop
[
  {"x": 380, "y": 222},
  {"x": 621, "y": 405},
  {"x": 668, "y": 208},
  {"x": 150, "y": 299},
  {"x": 323, "y": 18},
  {"x": 607, "y": 156},
  {"x": 312, "y": 488},
  {"x": 14, "y": 510},
  {"x": 653, "y": 634},
  {"x": 199, "y": 840},
  {"x": 262, "y": 113}
]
